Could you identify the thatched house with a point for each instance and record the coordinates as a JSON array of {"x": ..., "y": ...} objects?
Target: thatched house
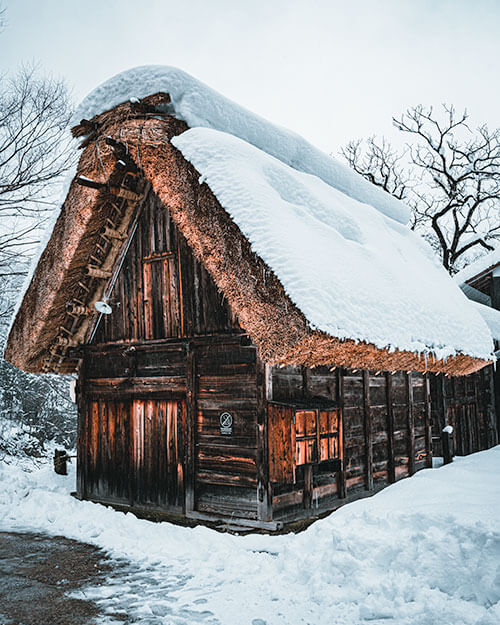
[{"x": 253, "y": 325}]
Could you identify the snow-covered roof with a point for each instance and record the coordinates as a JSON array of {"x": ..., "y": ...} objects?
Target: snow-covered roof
[
  {"x": 199, "y": 105},
  {"x": 338, "y": 245},
  {"x": 352, "y": 271},
  {"x": 482, "y": 264},
  {"x": 492, "y": 318}
]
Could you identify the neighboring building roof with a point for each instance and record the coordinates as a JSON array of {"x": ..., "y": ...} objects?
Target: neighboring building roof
[
  {"x": 482, "y": 265},
  {"x": 349, "y": 284},
  {"x": 475, "y": 295}
]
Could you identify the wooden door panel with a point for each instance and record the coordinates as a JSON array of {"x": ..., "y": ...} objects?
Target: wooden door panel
[{"x": 134, "y": 451}]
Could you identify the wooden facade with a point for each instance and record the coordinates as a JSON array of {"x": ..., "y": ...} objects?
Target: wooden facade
[
  {"x": 468, "y": 405},
  {"x": 179, "y": 416}
]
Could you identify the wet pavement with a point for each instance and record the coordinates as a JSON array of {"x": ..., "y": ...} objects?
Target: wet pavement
[
  {"x": 37, "y": 575},
  {"x": 46, "y": 580}
]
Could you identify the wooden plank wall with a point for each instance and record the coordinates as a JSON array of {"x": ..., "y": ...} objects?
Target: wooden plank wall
[
  {"x": 220, "y": 471},
  {"x": 172, "y": 336},
  {"x": 386, "y": 429},
  {"x": 468, "y": 405},
  {"x": 132, "y": 452},
  {"x": 226, "y": 471},
  {"x": 162, "y": 291}
]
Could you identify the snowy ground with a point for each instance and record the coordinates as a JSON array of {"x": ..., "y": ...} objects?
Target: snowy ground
[{"x": 424, "y": 551}]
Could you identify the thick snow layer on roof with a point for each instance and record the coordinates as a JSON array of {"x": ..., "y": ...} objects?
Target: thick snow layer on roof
[
  {"x": 199, "y": 105},
  {"x": 478, "y": 266},
  {"x": 491, "y": 317},
  {"x": 352, "y": 271}
]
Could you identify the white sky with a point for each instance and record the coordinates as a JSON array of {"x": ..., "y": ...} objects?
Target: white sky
[{"x": 330, "y": 70}]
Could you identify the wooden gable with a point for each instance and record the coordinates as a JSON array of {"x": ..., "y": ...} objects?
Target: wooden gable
[{"x": 162, "y": 291}]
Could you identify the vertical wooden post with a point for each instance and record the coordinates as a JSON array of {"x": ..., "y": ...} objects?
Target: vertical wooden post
[
  {"x": 367, "y": 431},
  {"x": 444, "y": 407},
  {"x": 81, "y": 454},
  {"x": 411, "y": 425},
  {"x": 391, "y": 467},
  {"x": 189, "y": 481},
  {"x": 269, "y": 382},
  {"x": 308, "y": 485},
  {"x": 264, "y": 495},
  {"x": 306, "y": 377},
  {"x": 447, "y": 443},
  {"x": 341, "y": 474},
  {"x": 427, "y": 421},
  {"x": 477, "y": 425}
]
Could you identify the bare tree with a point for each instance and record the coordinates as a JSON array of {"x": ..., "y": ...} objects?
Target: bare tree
[
  {"x": 379, "y": 163},
  {"x": 449, "y": 175},
  {"x": 34, "y": 116}
]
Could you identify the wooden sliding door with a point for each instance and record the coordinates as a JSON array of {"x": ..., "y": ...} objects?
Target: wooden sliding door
[{"x": 133, "y": 452}]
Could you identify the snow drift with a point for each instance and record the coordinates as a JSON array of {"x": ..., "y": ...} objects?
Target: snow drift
[{"x": 421, "y": 552}]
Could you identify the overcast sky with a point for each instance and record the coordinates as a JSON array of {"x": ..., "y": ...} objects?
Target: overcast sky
[{"x": 330, "y": 70}]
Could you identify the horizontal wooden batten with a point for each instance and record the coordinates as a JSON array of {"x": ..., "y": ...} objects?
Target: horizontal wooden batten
[
  {"x": 267, "y": 525},
  {"x": 139, "y": 385}
]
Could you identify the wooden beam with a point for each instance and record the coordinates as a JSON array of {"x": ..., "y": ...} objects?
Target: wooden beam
[
  {"x": 81, "y": 450},
  {"x": 111, "y": 233},
  {"x": 266, "y": 525},
  {"x": 444, "y": 406},
  {"x": 91, "y": 184},
  {"x": 427, "y": 420},
  {"x": 96, "y": 272},
  {"x": 411, "y": 424},
  {"x": 306, "y": 381},
  {"x": 126, "y": 194},
  {"x": 189, "y": 482},
  {"x": 308, "y": 486},
  {"x": 367, "y": 431},
  {"x": 341, "y": 477},
  {"x": 391, "y": 466},
  {"x": 269, "y": 382},
  {"x": 122, "y": 154},
  {"x": 264, "y": 495},
  {"x": 74, "y": 309}
]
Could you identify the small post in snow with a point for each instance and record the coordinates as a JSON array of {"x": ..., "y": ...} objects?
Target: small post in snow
[
  {"x": 60, "y": 460},
  {"x": 447, "y": 444}
]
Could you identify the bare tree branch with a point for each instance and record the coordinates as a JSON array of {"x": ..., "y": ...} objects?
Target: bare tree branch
[
  {"x": 449, "y": 175},
  {"x": 34, "y": 154}
]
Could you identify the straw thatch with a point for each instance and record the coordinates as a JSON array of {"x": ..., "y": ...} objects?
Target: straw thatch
[{"x": 256, "y": 296}]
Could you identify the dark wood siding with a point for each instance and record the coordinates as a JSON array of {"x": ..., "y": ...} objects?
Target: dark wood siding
[
  {"x": 132, "y": 452},
  {"x": 468, "y": 405},
  {"x": 225, "y": 465},
  {"x": 142, "y": 382},
  {"x": 384, "y": 433},
  {"x": 162, "y": 291}
]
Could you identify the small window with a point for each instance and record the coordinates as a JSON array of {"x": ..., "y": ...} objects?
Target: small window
[{"x": 316, "y": 436}]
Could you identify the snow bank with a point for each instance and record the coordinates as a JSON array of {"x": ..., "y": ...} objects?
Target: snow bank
[
  {"x": 423, "y": 551},
  {"x": 478, "y": 266},
  {"x": 352, "y": 271},
  {"x": 199, "y": 105}
]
